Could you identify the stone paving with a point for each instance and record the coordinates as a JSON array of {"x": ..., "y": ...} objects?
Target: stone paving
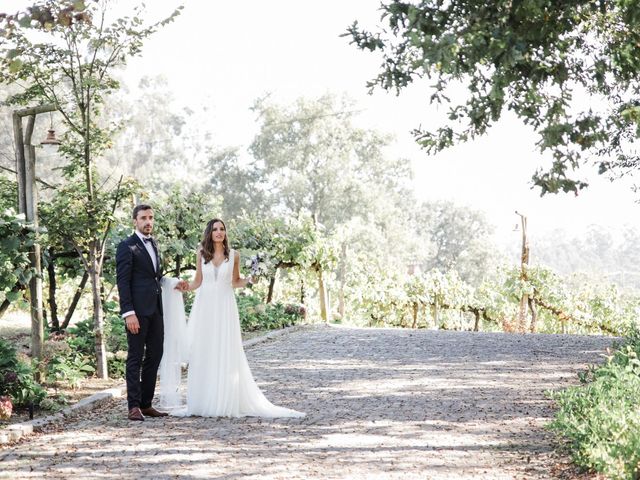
[{"x": 380, "y": 404}]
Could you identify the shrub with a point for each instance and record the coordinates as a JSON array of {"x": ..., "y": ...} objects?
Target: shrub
[
  {"x": 255, "y": 315},
  {"x": 17, "y": 377},
  {"x": 81, "y": 339},
  {"x": 6, "y": 407},
  {"x": 601, "y": 419},
  {"x": 70, "y": 369}
]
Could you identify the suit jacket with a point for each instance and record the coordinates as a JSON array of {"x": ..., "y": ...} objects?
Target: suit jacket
[{"x": 138, "y": 283}]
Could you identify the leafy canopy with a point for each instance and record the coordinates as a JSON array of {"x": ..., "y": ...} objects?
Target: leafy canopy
[{"x": 568, "y": 69}]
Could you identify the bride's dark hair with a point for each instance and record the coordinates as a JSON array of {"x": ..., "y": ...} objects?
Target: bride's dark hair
[{"x": 207, "y": 241}]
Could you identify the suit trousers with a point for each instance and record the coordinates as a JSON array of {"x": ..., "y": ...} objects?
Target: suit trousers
[{"x": 143, "y": 360}]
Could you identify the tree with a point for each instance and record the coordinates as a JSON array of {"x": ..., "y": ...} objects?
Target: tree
[
  {"x": 156, "y": 135},
  {"x": 181, "y": 218},
  {"x": 7, "y": 152},
  {"x": 16, "y": 236},
  {"x": 62, "y": 13},
  {"x": 241, "y": 184},
  {"x": 285, "y": 243},
  {"x": 568, "y": 69},
  {"x": 460, "y": 239},
  {"x": 316, "y": 160},
  {"x": 70, "y": 65}
]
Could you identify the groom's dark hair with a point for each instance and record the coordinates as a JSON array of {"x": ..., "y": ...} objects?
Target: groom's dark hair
[{"x": 140, "y": 208}]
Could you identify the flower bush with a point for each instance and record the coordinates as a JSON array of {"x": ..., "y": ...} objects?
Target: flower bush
[
  {"x": 6, "y": 407},
  {"x": 17, "y": 381}
]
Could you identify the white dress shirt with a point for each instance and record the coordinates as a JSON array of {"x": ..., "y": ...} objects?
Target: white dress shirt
[
  {"x": 154, "y": 260},
  {"x": 150, "y": 250}
]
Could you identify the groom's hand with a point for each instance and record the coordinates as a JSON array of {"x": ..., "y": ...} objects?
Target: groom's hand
[
  {"x": 182, "y": 286},
  {"x": 132, "y": 323}
]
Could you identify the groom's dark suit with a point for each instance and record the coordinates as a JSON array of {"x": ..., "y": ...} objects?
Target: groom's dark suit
[{"x": 140, "y": 292}]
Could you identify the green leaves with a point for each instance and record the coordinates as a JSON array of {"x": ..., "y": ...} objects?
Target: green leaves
[
  {"x": 535, "y": 58},
  {"x": 25, "y": 21},
  {"x": 320, "y": 163},
  {"x": 16, "y": 236},
  {"x": 600, "y": 418},
  {"x": 288, "y": 242},
  {"x": 181, "y": 217},
  {"x": 15, "y": 65},
  {"x": 17, "y": 377}
]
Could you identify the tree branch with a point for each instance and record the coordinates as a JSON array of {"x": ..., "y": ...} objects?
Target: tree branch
[{"x": 103, "y": 243}]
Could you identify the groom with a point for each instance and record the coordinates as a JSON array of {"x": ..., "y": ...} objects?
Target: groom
[{"x": 138, "y": 273}]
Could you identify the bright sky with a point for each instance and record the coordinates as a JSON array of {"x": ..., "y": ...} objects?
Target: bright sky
[{"x": 225, "y": 54}]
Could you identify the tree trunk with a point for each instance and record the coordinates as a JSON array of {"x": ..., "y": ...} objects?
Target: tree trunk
[
  {"x": 522, "y": 313},
  {"x": 178, "y": 264},
  {"x": 98, "y": 320},
  {"x": 436, "y": 313},
  {"x": 323, "y": 296},
  {"x": 415, "y": 315},
  {"x": 342, "y": 273},
  {"x": 272, "y": 284},
  {"x": 74, "y": 302},
  {"x": 534, "y": 315},
  {"x": 5, "y": 304},
  {"x": 303, "y": 295},
  {"x": 53, "y": 305},
  {"x": 4, "y": 307},
  {"x": 476, "y": 325}
]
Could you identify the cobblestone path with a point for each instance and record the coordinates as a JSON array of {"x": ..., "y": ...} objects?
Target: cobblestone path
[{"x": 380, "y": 404}]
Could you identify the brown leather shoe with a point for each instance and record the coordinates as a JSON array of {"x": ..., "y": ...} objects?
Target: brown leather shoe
[
  {"x": 136, "y": 414},
  {"x": 152, "y": 412}
]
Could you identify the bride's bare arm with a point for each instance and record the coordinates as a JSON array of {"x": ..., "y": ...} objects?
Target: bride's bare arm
[
  {"x": 197, "y": 280},
  {"x": 237, "y": 281}
]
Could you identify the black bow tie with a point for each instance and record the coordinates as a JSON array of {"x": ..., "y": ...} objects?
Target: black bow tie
[{"x": 148, "y": 239}]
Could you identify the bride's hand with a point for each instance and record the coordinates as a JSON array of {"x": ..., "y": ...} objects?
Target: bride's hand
[{"x": 182, "y": 286}]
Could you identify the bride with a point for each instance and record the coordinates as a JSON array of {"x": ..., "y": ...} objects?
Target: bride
[{"x": 219, "y": 380}]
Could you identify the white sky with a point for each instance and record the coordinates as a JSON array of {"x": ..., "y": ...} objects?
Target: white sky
[{"x": 224, "y": 54}]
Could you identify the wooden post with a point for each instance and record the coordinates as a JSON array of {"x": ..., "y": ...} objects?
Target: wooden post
[
  {"x": 28, "y": 205},
  {"x": 31, "y": 211},
  {"x": 436, "y": 313},
  {"x": 524, "y": 263},
  {"x": 20, "y": 161}
]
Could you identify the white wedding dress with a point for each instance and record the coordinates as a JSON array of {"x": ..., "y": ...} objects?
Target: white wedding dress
[{"x": 219, "y": 380}]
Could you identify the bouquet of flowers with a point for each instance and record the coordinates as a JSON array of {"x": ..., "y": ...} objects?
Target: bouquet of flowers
[{"x": 259, "y": 265}]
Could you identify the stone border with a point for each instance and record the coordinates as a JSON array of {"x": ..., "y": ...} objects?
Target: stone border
[
  {"x": 273, "y": 334},
  {"x": 17, "y": 431}
]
